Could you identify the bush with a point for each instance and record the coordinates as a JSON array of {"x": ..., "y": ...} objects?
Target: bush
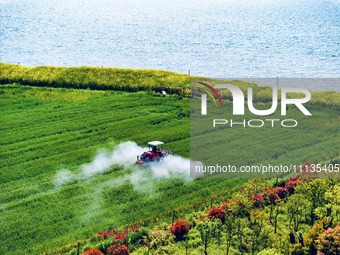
[
  {"x": 240, "y": 206},
  {"x": 104, "y": 245},
  {"x": 120, "y": 236},
  {"x": 194, "y": 238},
  {"x": 281, "y": 192},
  {"x": 258, "y": 201},
  {"x": 270, "y": 196},
  {"x": 92, "y": 251},
  {"x": 105, "y": 234},
  {"x": 329, "y": 241},
  {"x": 159, "y": 238},
  {"x": 118, "y": 249},
  {"x": 180, "y": 228},
  {"x": 312, "y": 236},
  {"x": 217, "y": 213},
  {"x": 139, "y": 237},
  {"x": 290, "y": 185}
]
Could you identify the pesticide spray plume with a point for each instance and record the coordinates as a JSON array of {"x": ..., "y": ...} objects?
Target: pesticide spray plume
[
  {"x": 124, "y": 155},
  {"x": 142, "y": 178}
]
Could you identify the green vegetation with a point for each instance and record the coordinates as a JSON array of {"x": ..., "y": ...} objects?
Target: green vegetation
[
  {"x": 98, "y": 78},
  {"x": 263, "y": 94},
  {"x": 131, "y": 80},
  {"x": 45, "y": 130},
  {"x": 316, "y": 138},
  {"x": 292, "y": 216}
]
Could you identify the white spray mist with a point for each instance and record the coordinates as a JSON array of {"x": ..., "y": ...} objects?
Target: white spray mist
[
  {"x": 142, "y": 178},
  {"x": 124, "y": 155}
]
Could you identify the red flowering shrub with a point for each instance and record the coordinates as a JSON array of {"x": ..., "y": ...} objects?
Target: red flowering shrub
[
  {"x": 217, "y": 213},
  {"x": 118, "y": 249},
  {"x": 258, "y": 200},
  {"x": 119, "y": 237},
  {"x": 290, "y": 185},
  {"x": 281, "y": 192},
  {"x": 180, "y": 228},
  {"x": 105, "y": 234},
  {"x": 270, "y": 196},
  {"x": 92, "y": 251}
]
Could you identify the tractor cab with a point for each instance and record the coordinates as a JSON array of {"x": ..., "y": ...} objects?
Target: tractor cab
[{"x": 154, "y": 154}]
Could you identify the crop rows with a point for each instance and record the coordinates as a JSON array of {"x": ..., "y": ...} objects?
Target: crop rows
[{"x": 46, "y": 129}]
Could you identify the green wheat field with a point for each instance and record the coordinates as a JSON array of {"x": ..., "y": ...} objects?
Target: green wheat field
[{"x": 59, "y": 118}]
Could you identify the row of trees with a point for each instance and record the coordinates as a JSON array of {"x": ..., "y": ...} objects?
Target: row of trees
[
  {"x": 297, "y": 216},
  {"x": 308, "y": 210}
]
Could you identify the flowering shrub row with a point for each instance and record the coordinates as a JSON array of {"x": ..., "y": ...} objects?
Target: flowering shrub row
[{"x": 119, "y": 241}]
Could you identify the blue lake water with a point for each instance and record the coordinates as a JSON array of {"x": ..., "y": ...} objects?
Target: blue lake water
[{"x": 221, "y": 38}]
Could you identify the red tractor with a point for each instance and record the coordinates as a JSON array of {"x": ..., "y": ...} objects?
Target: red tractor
[{"x": 154, "y": 154}]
